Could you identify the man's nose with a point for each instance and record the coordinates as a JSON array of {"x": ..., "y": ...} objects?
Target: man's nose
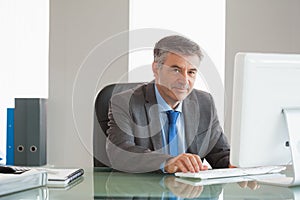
[{"x": 184, "y": 77}]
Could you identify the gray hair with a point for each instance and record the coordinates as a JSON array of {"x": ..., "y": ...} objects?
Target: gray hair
[{"x": 175, "y": 44}]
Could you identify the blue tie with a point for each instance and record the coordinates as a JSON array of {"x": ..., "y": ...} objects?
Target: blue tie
[{"x": 172, "y": 139}]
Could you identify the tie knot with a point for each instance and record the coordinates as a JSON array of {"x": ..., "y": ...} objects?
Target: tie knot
[{"x": 172, "y": 116}]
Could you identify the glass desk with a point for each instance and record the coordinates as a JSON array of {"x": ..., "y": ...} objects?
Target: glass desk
[{"x": 103, "y": 183}]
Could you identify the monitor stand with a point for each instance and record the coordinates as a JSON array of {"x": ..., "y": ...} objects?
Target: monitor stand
[{"x": 292, "y": 118}]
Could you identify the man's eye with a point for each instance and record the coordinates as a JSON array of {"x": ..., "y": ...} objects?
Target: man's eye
[
  {"x": 176, "y": 70},
  {"x": 192, "y": 73}
]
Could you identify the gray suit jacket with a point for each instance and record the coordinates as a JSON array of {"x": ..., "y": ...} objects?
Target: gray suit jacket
[{"x": 134, "y": 141}]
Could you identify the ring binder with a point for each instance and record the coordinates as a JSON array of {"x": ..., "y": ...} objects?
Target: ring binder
[
  {"x": 30, "y": 132},
  {"x": 10, "y": 137}
]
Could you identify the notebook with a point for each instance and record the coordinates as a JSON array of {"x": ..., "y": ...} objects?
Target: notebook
[{"x": 60, "y": 177}]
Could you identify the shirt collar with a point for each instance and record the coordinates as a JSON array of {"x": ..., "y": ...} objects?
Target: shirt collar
[{"x": 163, "y": 106}]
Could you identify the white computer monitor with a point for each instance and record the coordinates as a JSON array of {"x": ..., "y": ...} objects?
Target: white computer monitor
[{"x": 264, "y": 86}]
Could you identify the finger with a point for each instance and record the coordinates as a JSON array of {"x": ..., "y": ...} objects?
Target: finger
[
  {"x": 186, "y": 191},
  {"x": 187, "y": 162},
  {"x": 192, "y": 192},
  {"x": 243, "y": 184},
  {"x": 199, "y": 161},
  {"x": 182, "y": 191},
  {"x": 204, "y": 167},
  {"x": 179, "y": 163},
  {"x": 168, "y": 180},
  {"x": 182, "y": 166},
  {"x": 231, "y": 166},
  {"x": 170, "y": 166},
  {"x": 201, "y": 166},
  {"x": 195, "y": 162},
  {"x": 197, "y": 190},
  {"x": 253, "y": 185}
]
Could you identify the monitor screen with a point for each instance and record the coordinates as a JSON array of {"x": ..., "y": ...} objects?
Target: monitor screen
[{"x": 264, "y": 85}]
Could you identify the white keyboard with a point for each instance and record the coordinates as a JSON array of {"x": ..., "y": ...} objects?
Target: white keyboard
[{"x": 232, "y": 172}]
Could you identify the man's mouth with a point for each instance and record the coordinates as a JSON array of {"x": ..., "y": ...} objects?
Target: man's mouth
[{"x": 181, "y": 87}]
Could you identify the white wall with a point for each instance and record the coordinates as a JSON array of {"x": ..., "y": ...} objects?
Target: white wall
[
  {"x": 79, "y": 48},
  {"x": 258, "y": 26}
]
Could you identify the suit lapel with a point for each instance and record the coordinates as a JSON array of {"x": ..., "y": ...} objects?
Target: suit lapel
[
  {"x": 153, "y": 117},
  {"x": 191, "y": 115}
]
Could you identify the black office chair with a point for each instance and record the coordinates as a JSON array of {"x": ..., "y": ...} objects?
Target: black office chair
[{"x": 101, "y": 120}]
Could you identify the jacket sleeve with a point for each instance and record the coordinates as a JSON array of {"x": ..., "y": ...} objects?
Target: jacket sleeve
[{"x": 218, "y": 157}]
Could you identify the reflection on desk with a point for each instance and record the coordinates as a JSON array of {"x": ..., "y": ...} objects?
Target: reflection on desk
[
  {"x": 118, "y": 185},
  {"x": 150, "y": 185},
  {"x": 105, "y": 184},
  {"x": 266, "y": 192},
  {"x": 40, "y": 193}
]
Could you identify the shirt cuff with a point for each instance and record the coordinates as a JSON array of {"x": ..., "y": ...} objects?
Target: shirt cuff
[{"x": 162, "y": 167}]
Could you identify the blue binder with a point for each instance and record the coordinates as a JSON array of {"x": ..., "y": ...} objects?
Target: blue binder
[{"x": 10, "y": 137}]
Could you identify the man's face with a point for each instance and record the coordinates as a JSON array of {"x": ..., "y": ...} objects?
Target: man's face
[{"x": 175, "y": 79}]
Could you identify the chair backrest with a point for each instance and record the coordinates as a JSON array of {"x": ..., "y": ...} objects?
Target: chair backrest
[{"x": 101, "y": 120}]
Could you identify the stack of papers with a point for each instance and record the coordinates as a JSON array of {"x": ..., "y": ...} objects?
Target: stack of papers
[{"x": 17, "y": 182}]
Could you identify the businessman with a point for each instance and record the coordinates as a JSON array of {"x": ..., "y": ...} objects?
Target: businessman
[{"x": 166, "y": 125}]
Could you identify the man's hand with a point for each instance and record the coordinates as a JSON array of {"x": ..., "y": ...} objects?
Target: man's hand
[{"x": 185, "y": 162}]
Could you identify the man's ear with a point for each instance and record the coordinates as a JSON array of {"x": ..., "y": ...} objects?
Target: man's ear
[{"x": 155, "y": 69}]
